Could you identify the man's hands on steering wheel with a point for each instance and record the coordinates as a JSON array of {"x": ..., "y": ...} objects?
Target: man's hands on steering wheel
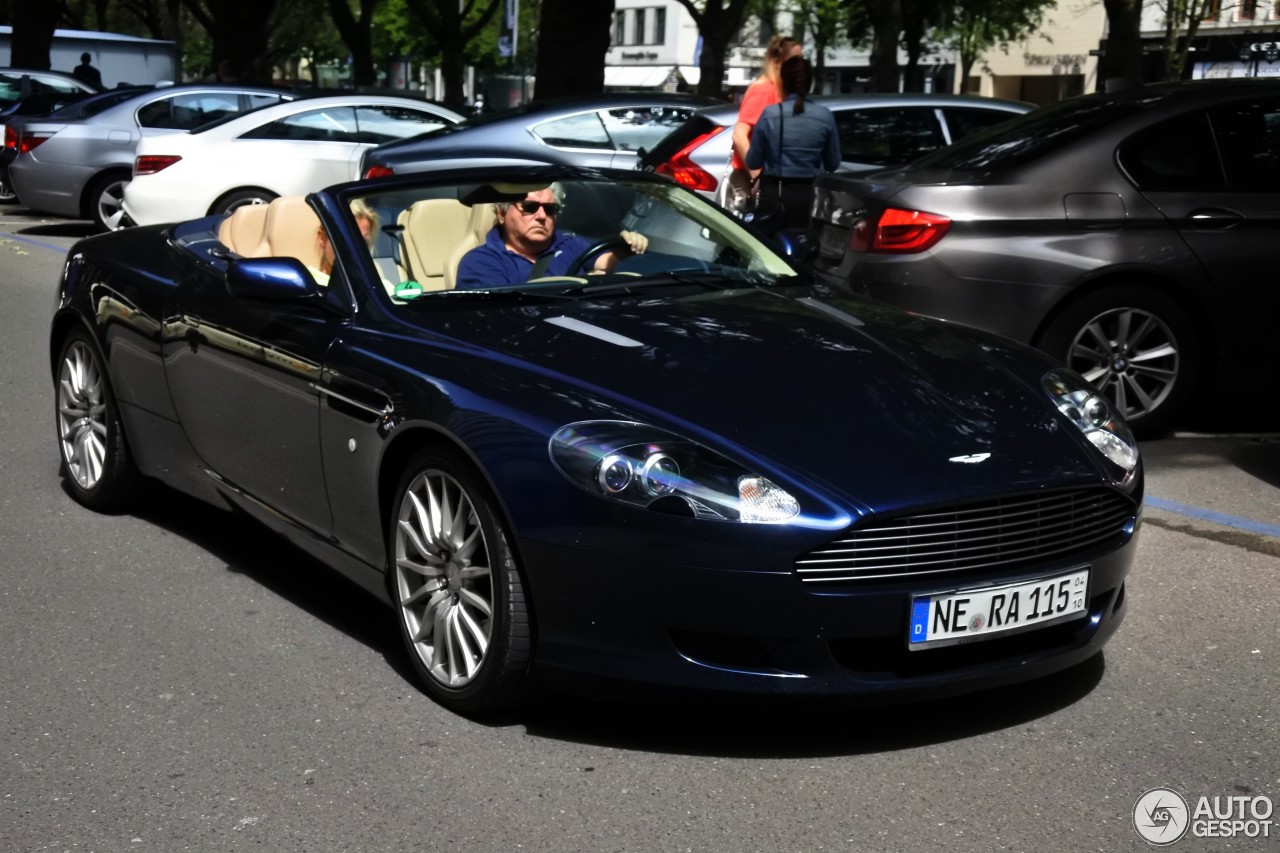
[{"x": 624, "y": 245}]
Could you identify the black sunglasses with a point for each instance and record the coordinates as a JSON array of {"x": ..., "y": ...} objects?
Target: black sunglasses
[{"x": 529, "y": 208}]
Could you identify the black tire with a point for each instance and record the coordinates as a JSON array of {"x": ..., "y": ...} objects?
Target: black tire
[
  {"x": 7, "y": 195},
  {"x": 1136, "y": 345},
  {"x": 105, "y": 201},
  {"x": 461, "y": 580},
  {"x": 95, "y": 460},
  {"x": 240, "y": 198}
]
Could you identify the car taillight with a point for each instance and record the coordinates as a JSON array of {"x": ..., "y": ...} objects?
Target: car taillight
[
  {"x": 687, "y": 173},
  {"x": 31, "y": 141},
  {"x": 378, "y": 172},
  {"x": 10, "y": 138},
  {"x": 898, "y": 231},
  {"x": 149, "y": 164}
]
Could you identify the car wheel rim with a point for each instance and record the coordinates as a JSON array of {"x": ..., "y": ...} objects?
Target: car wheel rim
[
  {"x": 111, "y": 206},
  {"x": 443, "y": 578},
  {"x": 1131, "y": 356},
  {"x": 82, "y": 415}
]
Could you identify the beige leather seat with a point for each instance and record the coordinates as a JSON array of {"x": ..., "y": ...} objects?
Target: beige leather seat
[
  {"x": 481, "y": 219},
  {"x": 285, "y": 228},
  {"x": 431, "y": 229}
]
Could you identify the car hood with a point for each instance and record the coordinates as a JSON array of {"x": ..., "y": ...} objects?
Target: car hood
[{"x": 807, "y": 385}]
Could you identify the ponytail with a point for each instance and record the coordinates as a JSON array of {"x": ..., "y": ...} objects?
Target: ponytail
[{"x": 797, "y": 78}]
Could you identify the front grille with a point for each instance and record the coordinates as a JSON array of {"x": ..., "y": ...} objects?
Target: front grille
[{"x": 971, "y": 537}]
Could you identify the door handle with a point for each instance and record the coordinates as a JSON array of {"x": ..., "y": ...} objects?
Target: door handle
[{"x": 1214, "y": 217}]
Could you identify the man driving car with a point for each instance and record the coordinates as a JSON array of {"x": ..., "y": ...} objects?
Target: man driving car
[{"x": 524, "y": 244}]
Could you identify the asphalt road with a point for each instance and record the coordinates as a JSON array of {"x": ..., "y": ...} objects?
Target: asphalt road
[{"x": 176, "y": 680}]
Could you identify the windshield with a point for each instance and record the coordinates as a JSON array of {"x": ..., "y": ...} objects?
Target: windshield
[{"x": 571, "y": 238}]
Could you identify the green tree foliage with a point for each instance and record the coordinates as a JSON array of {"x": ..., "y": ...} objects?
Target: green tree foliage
[
  {"x": 974, "y": 27},
  {"x": 453, "y": 24}
]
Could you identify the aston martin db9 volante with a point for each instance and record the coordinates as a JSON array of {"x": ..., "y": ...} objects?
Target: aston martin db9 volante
[{"x": 698, "y": 470}]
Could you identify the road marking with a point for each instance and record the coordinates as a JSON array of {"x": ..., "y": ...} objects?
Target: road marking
[
  {"x": 1216, "y": 517},
  {"x": 43, "y": 245}
]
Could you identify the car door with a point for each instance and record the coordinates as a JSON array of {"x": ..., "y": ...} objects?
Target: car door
[
  {"x": 1215, "y": 174},
  {"x": 315, "y": 148},
  {"x": 243, "y": 375}
]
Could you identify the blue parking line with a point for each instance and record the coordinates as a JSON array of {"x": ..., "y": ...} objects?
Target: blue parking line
[
  {"x": 1216, "y": 517},
  {"x": 62, "y": 250}
]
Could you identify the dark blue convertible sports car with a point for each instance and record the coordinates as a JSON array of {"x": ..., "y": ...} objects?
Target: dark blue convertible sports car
[{"x": 699, "y": 470}]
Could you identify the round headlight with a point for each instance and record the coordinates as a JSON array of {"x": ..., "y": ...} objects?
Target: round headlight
[
  {"x": 660, "y": 474},
  {"x": 615, "y": 473}
]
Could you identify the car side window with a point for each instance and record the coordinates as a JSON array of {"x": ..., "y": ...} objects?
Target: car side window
[
  {"x": 1249, "y": 138},
  {"x": 332, "y": 124},
  {"x": 963, "y": 121},
  {"x": 378, "y": 124},
  {"x": 633, "y": 128},
  {"x": 1173, "y": 156},
  {"x": 887, "y": 136},
  {"x": 188, "y": 111},
  {"x": 580, "y": 131}
]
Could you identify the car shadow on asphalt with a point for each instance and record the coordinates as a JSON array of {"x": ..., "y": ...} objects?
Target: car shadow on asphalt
[
  {"x": 682, "y": 724},
  {"x": 59, "y": 229}
]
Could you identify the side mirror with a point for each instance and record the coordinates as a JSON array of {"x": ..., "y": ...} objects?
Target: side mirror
[{"x": 272, "y": 280}]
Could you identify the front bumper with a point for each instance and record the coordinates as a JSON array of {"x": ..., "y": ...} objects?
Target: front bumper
[{"x": 608, "y": 620}]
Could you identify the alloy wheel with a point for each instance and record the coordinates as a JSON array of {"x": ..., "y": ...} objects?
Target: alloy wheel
[
  {"x": 82, "y": 415},
  {"x": 1130, "y": 355},
  {"x": 444, "y": 578}
]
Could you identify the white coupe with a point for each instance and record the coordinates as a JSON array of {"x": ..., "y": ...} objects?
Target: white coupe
[{"x": 288, "y": 149}]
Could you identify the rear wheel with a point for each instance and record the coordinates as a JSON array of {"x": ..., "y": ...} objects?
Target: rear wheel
[
  {"x": 1136, "y": 345},
  {"x": 106, "y": 201},
  {"x": 457, "y": 592},
  {"x": 7, "y": 195},
  {"x": 240, "y": 198},
  {"x": 95, "y": 459}
]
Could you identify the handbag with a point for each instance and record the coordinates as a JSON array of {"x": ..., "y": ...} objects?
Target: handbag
[
  {"x": 768, "y": 214},
  {"x": 740, "y": 190}
]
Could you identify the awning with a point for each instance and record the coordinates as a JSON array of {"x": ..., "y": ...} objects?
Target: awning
[
  {"x": 636, "y": 76},
  {"x": 691, "y": 74}
]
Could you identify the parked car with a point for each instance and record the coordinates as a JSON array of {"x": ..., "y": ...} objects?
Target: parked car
[
  {"x": 877, "y": 131},
  {"x": 602, "y": 130},
  {"x": 286, "y": 149},
  {"x": 1127, "y": 234},
  {"x": 818, "y": 495},
  {"x": 26, "y": 93},
  {"x": 77, "y": 165}
]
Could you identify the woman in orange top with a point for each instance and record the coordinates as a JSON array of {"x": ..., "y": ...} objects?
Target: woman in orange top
[{"x": 764, "y": 92}]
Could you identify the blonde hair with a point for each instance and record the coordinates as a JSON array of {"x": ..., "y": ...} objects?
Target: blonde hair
[
  {"x": 360, "y": 209},
  {"x": 779, "y": 47}
]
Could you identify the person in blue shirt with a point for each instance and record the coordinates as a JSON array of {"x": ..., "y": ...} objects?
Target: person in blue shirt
[
  {"x": 793, "y": 142},
  {"x": 525, "y": 244}
]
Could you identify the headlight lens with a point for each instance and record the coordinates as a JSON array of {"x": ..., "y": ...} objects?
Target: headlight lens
[
  {"x": 647, "y": 467},
  {"x": 1092, "y": 415}
]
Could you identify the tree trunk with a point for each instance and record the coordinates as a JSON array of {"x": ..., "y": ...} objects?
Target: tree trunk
[
  {"x": 1122, "y": 60},
  {"x": 572, "y": 28},
  {"x": 717, "y": 24},
  {"x": 33, "y": 26},
  {"x": 886, "y": 28},
  {"x": 357, "y": 35}
]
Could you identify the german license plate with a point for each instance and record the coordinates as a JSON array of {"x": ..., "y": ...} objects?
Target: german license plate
[
  {"x": 967, "y": 615},
  {"x": 833, "y": 240}
]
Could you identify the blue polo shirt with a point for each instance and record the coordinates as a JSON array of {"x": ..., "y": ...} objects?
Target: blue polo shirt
[{"x": 492, "y": 264}]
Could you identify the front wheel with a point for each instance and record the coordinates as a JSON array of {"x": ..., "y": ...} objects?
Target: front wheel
[
  {"x": 457, "y": 592},
  {"x": 95, "y": 459},
  {"x": 1137, "y": 346}
]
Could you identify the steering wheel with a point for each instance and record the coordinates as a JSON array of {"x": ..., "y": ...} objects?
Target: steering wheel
[{"x": 614, "y": 242}]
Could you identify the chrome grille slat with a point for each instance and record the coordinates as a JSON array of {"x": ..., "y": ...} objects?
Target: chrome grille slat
[{"x": 971, "y": 537}]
